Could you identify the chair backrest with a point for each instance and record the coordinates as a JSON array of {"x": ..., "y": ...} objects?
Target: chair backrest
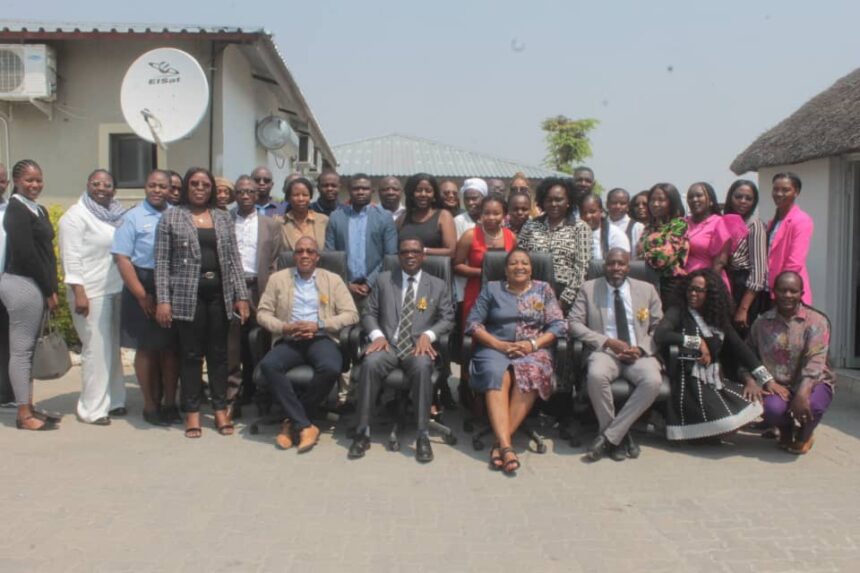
[
  {"x": 433, "y": 264},
  {"x": 639, "y": 270},
  {"x": 332, "y": 261},
  {"x": 493, "y": 268}
]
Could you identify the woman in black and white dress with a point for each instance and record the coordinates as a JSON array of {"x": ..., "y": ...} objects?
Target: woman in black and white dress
[{"x": 706, "y": 402}]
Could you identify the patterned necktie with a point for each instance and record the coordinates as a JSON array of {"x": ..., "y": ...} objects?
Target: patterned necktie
[
  {"x": 621, "y": 318},
  {"x": 404, "y": 335}
]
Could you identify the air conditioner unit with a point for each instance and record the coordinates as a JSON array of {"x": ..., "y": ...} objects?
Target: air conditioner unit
[{"x": 27, "y": 72}]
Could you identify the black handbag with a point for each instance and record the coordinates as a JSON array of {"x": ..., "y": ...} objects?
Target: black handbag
[{"x": 51, "y": 356}]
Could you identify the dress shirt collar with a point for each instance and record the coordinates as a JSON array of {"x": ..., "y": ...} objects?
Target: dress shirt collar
[
  {"x": 350, "y": 210},
  {"x": 248, "y": 217},
  {"x": 151, "y": 210},
  {"x": 623, "y": 287},
  {"x": 31, "y": 205},
  {"x": 310, "y": 217},
  {"x": 406, "y": 277},
  {"x": 298, "y": 277}
]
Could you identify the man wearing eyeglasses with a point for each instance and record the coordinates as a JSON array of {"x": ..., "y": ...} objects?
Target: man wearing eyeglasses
[
  {"x": 304, "y": 308},
  {"x": 259, "y": 241},
  {"x": 264, "y": 182}
]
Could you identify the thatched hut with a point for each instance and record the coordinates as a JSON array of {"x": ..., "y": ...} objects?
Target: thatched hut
[{"x": 821, "y": 143}]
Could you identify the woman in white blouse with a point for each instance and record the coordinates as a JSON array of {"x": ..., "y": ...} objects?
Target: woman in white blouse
[
  {"x": 94, "y": 286},
  {"x": 604, "y": 235}
]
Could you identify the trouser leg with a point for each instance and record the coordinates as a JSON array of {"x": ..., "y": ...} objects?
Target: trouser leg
[
  {"x": 26, "y": 307},
  {"x": 274, "y": 366},
  {"x": 116, "y": 379},
  {"x": 373, "y": 370},
  {"x": 192, "y": 343},
  {"x": 602, "y": 370},
  {"x": 419, "y": 369},
  {"x": 94, "y": 330},
  {"x": 776, "y": 412},
  {"x": 216, "y": 350},
  {"x": 246, "y": 355},
  {"x": 644, "y": 374},
  {"x": 6, "y": 394},
  {"x": 819, "y": 401},
  {"x": 324, "y": 356}
]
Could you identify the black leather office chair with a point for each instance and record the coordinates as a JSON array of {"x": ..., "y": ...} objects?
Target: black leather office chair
[
  {"x": 493, "y": 269},
  {"x": 621, "y": 388},
  {"x": 396, "y": 380},
  {"x": 261, "y": 342}
]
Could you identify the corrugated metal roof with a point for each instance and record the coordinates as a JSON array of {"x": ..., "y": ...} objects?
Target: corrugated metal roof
[
  {"x": 121, "y": 28},
  {"x": 403, "y": 155}
]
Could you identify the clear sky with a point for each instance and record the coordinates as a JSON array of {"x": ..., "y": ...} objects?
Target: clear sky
[{"x": 680, "y": 87}]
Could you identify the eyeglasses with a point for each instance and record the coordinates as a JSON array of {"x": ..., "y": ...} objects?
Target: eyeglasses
[
  {"x": 262, "y": 180},
  {"x": 305, "y": 251},
  {"x": 696, "y": 289},
  {"x": 246, "y": 191},
  {"x": 200, "y": 184},
  {"x": 519, "y": 189}
]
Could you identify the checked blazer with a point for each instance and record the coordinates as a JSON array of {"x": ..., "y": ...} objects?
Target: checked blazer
[{"x": 177, "y": 262}]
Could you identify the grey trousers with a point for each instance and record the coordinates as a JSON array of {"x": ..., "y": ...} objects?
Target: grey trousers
[
  {"x": 376, "y": 366},
  {"x": 644, "y": 374},
  {"x": 26, "y": 307}
]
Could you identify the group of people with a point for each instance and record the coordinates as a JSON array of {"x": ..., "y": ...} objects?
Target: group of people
[{"x": 187, "y": 274}]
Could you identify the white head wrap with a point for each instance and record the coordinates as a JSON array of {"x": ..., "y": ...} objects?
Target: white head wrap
[{"x": 474, "y": 184}]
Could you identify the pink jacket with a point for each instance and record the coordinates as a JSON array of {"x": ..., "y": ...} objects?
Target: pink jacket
[{"x": 788, "y": 249}]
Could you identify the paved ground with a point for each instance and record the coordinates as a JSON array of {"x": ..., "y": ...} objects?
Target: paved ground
[{"x": 135, "y": 498}]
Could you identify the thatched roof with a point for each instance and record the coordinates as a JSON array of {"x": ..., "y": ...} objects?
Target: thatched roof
[{"x": 826, "y": 125}]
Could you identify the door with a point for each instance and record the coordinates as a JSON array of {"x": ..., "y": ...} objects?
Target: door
[{"x": 852, "y": 358}]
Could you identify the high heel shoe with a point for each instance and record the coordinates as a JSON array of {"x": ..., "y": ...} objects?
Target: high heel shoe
[{"x": 46, "y": 425}]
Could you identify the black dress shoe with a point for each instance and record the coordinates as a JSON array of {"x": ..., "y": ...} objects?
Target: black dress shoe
[
  {"x": 118, "y": 412},
  {"x": 103, "y": 421},
  {"x": 617, "y": 453},
  {"x": 423, "y": 451},
  {"x": 630, "y": 447},
  {"x": 360, "y": 444},
  {"x": 599, "y": 447}
]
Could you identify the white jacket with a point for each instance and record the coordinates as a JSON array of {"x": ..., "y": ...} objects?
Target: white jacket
[{"x": 85, "y": 248}]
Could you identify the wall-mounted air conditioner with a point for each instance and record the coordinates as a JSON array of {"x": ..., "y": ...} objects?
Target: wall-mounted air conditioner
[{"x": 27, "y": 72}]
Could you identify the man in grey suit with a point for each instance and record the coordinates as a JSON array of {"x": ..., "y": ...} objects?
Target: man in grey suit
[
  {"x": 407, "y": 312},
  {"x": 615, "y": 316},
  {"x": 259, "y": 241}
]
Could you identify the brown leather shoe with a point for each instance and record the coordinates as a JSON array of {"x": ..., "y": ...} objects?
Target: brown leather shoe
[
  {"x": 308, "y": 438},
  {"x": 284, "y": 439}
]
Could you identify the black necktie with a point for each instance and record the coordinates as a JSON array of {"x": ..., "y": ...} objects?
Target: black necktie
[
  {"x": 404, "y": 336},
  {"x": 621, "y": 318}
]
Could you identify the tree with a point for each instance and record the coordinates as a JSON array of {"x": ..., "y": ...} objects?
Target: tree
[{"x": 567, "y": 141}]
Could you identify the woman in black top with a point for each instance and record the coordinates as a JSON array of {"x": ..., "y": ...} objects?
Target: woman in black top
[
  {"x": 199, "y": 285},
  {"x": 426, "y": 218},
  {"x": 28, "y": 285}
]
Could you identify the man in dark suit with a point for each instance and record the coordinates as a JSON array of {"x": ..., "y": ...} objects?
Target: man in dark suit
[
  {"x": 407, "y": 312},
  {"x": 615, "y": 317},
  {"x": 259, "y": 240}
]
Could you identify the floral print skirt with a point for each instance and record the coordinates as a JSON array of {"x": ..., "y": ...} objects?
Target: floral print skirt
[{"x": 531, "y": 372}]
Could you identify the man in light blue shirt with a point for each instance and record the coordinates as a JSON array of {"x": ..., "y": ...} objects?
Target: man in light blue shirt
[{"x": 366, "y": 232}]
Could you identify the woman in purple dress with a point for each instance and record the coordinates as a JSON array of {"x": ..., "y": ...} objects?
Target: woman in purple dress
[{"x": 513, "y": 322}]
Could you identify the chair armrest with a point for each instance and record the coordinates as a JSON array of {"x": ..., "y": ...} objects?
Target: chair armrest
[
  {"x": 466, "y": 348},
  {"x": 259, "y": 341},
  {"x": 346, "y": 339},
  {"x": 443, "y": 347},
  {"x": 672, "y": 366}
]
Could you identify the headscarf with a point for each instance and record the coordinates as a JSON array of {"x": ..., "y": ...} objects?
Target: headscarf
[
  {"x": 224, "y": 182},
  {"x": 475, "y": 184},
  {"x": 112, "y": 214}
]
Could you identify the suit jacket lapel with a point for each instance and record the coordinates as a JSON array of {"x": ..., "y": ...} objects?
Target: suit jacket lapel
[
  {"x": 638, "y": 303},
  {"x": 783, "y": 227},
  {"x": 397, "y": 281}
]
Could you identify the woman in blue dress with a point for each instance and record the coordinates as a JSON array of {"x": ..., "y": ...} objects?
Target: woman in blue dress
[{"x": 513, "y": 323}]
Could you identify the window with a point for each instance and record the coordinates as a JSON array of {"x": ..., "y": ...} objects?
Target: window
[
  {"x": 303, "y": 147},
  {"x": 131, "y": 160}
]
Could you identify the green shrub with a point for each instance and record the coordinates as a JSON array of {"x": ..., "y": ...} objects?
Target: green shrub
[{"x": 63, "y": 315}]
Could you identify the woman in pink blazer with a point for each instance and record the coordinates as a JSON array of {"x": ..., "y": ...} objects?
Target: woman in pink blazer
[{"x": 788, "y": 234}]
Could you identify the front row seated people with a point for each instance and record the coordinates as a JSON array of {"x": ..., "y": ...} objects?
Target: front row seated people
[
  {"x": 615, "y": 316},
  {"x": 514, "y": 323},
  {"x": 707, "y": 402},
  {"x": 304, "y": 308},
  {"x": 793, "y": 340},
  {"x": 406, "y": 313}
]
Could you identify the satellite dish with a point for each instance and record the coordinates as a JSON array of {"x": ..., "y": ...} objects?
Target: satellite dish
[
  {"x": 164, "y": 95},
  {"x": 274, "y": 132}
]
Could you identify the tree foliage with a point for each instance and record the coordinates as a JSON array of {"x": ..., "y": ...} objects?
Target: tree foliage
[
  {"x": 63, "y": 315},
  {"x": 567, "y": 141}
]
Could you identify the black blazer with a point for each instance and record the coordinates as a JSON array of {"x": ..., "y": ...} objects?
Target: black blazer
[{"x": 30, "y": 246}]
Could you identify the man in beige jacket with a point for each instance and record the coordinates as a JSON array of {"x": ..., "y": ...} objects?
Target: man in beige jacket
[{"x": 304, "y": 308}]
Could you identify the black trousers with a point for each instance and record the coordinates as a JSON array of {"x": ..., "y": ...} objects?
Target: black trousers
[
  {"x": 204, "y": 337},
  {"x": 377, "y": 366},
  {"x": 6, "y": 394},
  {"x": 300, "y": 404}
]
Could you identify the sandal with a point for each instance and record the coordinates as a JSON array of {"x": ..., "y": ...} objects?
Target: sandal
[
  {"x": 496, "y": 461},
  {"x": 225, "y": 429},
  {"x": 510, "y": 466},
  {"x": 46, "y": 426},
  {"x": 193, "y": 433},
  {"x": 46, "y": 417}
]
